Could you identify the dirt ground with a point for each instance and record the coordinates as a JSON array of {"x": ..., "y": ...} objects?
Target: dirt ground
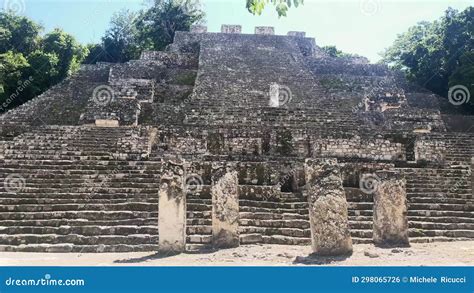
[{"x": 430, "y": 254}]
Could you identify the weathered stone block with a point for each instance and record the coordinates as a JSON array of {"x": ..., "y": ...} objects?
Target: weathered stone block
[
  {"x": 327, "y": 208},
  {"x": 172, "y": 208},
  {"x": 297, "y": 34},
  {"x": 390, "y": 210},
  {"x": 231, "y": 29},
  {"x": 274, "y": 95},
  {"x": 106, "y": 123},
  {"x": 225, "y": 206},
  {"x": 264, "y": 30},
  {"x": 198, "y": 29}
]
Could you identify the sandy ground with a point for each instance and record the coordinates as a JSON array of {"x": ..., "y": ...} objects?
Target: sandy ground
[{"x": 432, "y": 254}]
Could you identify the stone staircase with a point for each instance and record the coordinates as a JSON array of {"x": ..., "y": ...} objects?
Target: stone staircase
[
  {"x": 199, "y": 219},
  {"x": 276, "y": 220},
  {"x": 69, "y": 189}
]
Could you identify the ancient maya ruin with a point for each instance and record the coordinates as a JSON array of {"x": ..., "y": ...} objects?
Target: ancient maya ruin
[{"x": 227, "y": 139}]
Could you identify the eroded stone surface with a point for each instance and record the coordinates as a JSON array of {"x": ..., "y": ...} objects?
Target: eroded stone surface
[
  {"x": 264, "y": 30},
  {"x": 390, "y": 210},
  {"x": 225, "y": 206},
  {"x": 172, "y": 208},
  {"x": 327, "y": 208},
  {"x": 231, "y": 29}
]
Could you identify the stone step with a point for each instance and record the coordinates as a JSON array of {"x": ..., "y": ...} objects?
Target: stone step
[
  {"x": 198, "y": 222},
  {"x": 293, "y": 232},
  {"x": 85, "y": 206},
  {"x": 90, "y": 215},
  {"x": 272, "y": 216},
  {"x": 440, "y": 213},
  {"x": 460, "y": 195},
  {"x": 441, "y": 200},
  {"x": 441, "y": 206},
  {"x": 198, "y": 214},
  {"x": 48, "y": 192},
  {"x": 199, "y": 239},
  {"x": 149, "y": 221},
  {"x": 413, "y": 232},
  {"x": 82, "y": 201},
  {"x": 80, "y": 230},
  {"x": 199, "y": 229},
  {"x": 273, "y": 205},
  {"x": 440, "y": 219},
  {"x": 198, "y": 207},
  {"x": 287, "y": 240},
  {"x": 437, "y": 239},
  {"x": 93, "y": 194},
  {"x": 299, "y": 224},
  {"x": 132, "y": 239},
  {"x": 70, "y": 247},
  {"x": 277, "y": 211},
  {"x": 441, "y": 226},
  {"x": 199, "y": 201}
]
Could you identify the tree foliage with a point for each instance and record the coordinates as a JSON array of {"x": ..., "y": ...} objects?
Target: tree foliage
[
  {"x": 437, "y": 54},
  {"x": 257, "y": 6},
  {"x": 29, "y": 62},
  {"x": 150, "y": 29}
]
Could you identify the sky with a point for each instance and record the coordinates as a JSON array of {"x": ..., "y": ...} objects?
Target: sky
[{"x": 364, "y": 27}]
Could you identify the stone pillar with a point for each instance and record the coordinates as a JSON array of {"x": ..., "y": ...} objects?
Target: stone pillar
[
  {"x": 198, "y": 29},
  {"x": 172, "y": 208},
  {"x": 231, "y": 29},
  {"x": 329, "y": 223},
  {"x": 472, "y": 177},
  {"x": 297, "y": 34},
  {"x": 225, "y": 206},
  {"x": 274, "y": 95},
  {"x": 390, "y": 210},
  {"x": 264, "y": 30}
]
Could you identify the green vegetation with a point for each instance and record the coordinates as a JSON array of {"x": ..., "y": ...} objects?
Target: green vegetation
[
  {"x": 334, "y": 52},
  {"x": 257, "y": 6},
  {"x": 153, "y": 28},
  {"x": 438, "y": 54},
  {"x": 29, "y": 62}
]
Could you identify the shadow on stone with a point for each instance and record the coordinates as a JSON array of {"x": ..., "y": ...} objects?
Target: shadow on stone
[
  {"x": 393, "y": 245},
  {"x": 155, "y": 256},
  {"x": 314, "y": 259}
]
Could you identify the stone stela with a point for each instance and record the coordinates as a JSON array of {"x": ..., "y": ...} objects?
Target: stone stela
[
  {"x": 328, "y": 216},
  {"x": 390, "y": 210}
]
